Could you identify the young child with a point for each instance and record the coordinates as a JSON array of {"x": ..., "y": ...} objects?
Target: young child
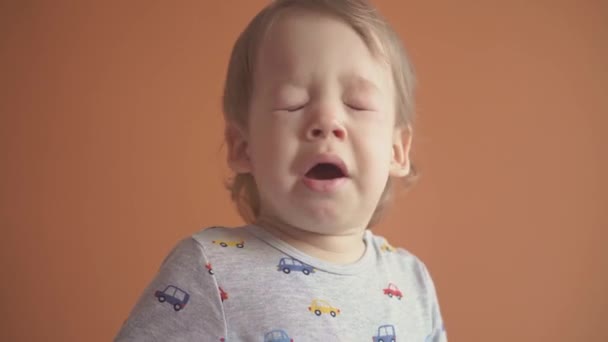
[{"x": 318, "y": 106}]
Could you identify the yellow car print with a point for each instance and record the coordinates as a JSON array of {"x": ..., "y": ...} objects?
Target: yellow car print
[
  {"x": 237, "y": 244},
  {"x": 319, "y": 306},
  {"x": 387, "y": 248}
]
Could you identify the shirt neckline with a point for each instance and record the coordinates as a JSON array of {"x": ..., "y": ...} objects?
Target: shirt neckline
[{"x": 354, "y": 268}]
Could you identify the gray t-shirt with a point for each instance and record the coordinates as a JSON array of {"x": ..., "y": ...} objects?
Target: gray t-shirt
[{"x": 243, "y": 284}]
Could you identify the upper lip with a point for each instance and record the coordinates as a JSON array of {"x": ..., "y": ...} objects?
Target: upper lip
[{"x": 326, "y": 158}]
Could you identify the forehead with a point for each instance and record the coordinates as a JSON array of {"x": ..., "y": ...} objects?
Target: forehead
[{"x": 305, "y": 45}]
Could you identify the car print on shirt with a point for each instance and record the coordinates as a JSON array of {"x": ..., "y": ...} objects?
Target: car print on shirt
[
  {"x": 231, "y": 243},
  {"x": 277, "y": 336},
  {"x": 209, "y": 268},
  {"x": 393, "y": 291},
  {"x": 290, "y": 264},
  {"x": 223, "y": 294},
  {"x": 386, "y": 247},
  {"x": 386, "y": 333},
  {"x": 319, "y": 306},
  {"x": 174, "y": 296}
]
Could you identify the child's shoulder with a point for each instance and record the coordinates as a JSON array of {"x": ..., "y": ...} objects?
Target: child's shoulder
[
  {"x": 222, "y": 236},
  {"x": 221, "y": 240},
  {"x": 382, "y": 244},
  {"x": 397, "y": 257}
]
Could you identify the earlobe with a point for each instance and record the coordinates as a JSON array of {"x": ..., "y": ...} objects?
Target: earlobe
[
  {"x": 238, "y": 149},
  {"x": 400, "y": 161}
]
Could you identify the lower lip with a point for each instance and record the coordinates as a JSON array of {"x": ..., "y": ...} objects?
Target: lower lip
[{"x": 324, "y": 185}]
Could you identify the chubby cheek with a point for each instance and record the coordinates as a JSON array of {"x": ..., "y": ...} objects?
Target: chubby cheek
[
  {"x": 378, "y": 161},
  {"x": 373, "y": 151},
  {"x": 269, "y": 151}
]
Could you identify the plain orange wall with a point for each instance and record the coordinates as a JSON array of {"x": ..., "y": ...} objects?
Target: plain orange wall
[{"x": 110, "y": 137}]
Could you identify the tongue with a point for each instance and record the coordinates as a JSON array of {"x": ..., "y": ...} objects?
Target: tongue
[{"x": 324, "y": 171}]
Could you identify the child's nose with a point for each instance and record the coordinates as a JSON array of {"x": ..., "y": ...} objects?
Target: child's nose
[{"x": 325, "y": 128}]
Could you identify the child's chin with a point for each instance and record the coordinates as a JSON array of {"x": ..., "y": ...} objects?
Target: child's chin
[{"x": 326, "y": 220}]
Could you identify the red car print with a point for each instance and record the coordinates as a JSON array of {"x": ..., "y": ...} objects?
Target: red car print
[
  {"x": 209, "y": 268},
  {"x": 393, "y": 290},
  {"x": 223, "y": 294}
]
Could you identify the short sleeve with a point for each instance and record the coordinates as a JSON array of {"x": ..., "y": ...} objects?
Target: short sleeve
[
  {"x": 438, "y": 333},
  {"x": 182, "y": 302}
]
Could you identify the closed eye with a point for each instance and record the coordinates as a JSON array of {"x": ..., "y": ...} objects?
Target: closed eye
[
  {"x": 295, "y": 108},
  {"x": 357, "y": 108}
]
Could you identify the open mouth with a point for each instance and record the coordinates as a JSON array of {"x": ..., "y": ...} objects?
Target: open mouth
[{"x": 325, "y": 171}]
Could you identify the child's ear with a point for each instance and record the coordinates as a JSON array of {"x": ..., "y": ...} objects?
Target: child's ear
[
  {"x": 238, "y": 149},
  {"x": 402, "y": 142}
]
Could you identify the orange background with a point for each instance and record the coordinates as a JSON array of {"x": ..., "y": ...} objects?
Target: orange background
[{"x": 111, "y": 151}]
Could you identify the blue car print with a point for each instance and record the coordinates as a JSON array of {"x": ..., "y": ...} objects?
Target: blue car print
[
  {"x": 290, "y": 264},
  {"x": 386, "y": 333},
  {"x": 174, "y": 296},
  {"x": 277, "y": 336}
]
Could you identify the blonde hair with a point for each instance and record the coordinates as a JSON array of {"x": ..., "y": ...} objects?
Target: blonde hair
[{"x": 380, "y": 39}]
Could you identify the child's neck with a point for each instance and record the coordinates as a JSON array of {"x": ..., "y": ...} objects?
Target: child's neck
[{"x": 339, "y": 249}]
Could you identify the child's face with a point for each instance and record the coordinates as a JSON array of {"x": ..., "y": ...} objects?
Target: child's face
[{"x": 319, "y": 92}]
